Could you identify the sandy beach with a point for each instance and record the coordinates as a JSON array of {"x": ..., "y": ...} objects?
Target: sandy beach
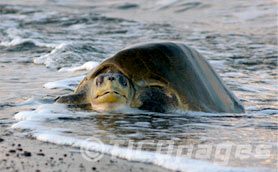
[{"x": 24, "y": 154}]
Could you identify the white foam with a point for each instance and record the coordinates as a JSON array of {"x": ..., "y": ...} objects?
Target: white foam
[
  {"x": 9, "y": 24},
  {"x": 162, "y": 4},
  {"x": 30, "y": 101},
  {"x": 33, "y": 120},
  {"x": 43, "y": 112},
  {"x": 18, "y": 40},
  {"x": 117, "y": 108},
  {"x": 166, "y": 2},
  {"x": 49, "y": 59},
  {"x": 267, "y": 112},
  {"x": 67, "y": 54},
  {"x": 86, "y": 66},
  {"x": 16, "y": 36},
  {"x": 69, "y": 83},
  {"x": 252, "y": 13},
  {"x": 195, "y": 113}
]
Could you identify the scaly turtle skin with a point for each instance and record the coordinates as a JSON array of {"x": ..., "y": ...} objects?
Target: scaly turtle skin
[{"x": 158, "y": 77}]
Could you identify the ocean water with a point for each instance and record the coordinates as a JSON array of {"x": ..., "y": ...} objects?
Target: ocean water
[{"x": 48, "y": 46}]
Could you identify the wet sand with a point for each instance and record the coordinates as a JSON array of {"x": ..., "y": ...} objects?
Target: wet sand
[{"x": 26, "y": 154}]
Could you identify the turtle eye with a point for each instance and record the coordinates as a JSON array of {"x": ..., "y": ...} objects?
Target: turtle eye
[
  {"x": 122, "y": 80},
  {"x": 99, "y": 80}
]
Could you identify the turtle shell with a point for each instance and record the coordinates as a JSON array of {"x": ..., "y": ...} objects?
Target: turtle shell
[{"x": 179, "y": 69}]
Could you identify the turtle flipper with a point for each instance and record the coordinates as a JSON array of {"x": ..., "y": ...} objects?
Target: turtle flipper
[
  {"x": 71, "y": 99},
  {"x": 158, "y": 99}
]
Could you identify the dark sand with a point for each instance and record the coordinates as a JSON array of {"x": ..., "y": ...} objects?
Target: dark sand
[{"x": 26, "y": 154}]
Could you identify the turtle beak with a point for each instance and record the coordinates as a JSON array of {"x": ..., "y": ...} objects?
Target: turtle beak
[{"x": 110, "y": 92}]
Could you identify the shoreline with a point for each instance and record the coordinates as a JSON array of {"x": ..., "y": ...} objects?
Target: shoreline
[{"x": 25, "y": 154}]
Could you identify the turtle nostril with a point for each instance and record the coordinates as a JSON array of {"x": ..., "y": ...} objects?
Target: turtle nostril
[{"x": 111, "y": 78}]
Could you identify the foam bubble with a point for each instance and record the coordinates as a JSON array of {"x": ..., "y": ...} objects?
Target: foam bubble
[{"x": 86, "y": 66}]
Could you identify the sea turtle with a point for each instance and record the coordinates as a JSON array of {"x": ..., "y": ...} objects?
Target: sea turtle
[{"x": 160, "y": 77}]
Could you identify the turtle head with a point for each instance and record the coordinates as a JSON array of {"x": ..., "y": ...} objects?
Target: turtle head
[{"x": 111, "y": 91}]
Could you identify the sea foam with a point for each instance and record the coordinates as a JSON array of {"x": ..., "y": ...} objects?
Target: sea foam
[
  {"x": 69, "y": 83},
  {"x": 67, "y": 54},
  {"x": 86, "y": 66}
]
